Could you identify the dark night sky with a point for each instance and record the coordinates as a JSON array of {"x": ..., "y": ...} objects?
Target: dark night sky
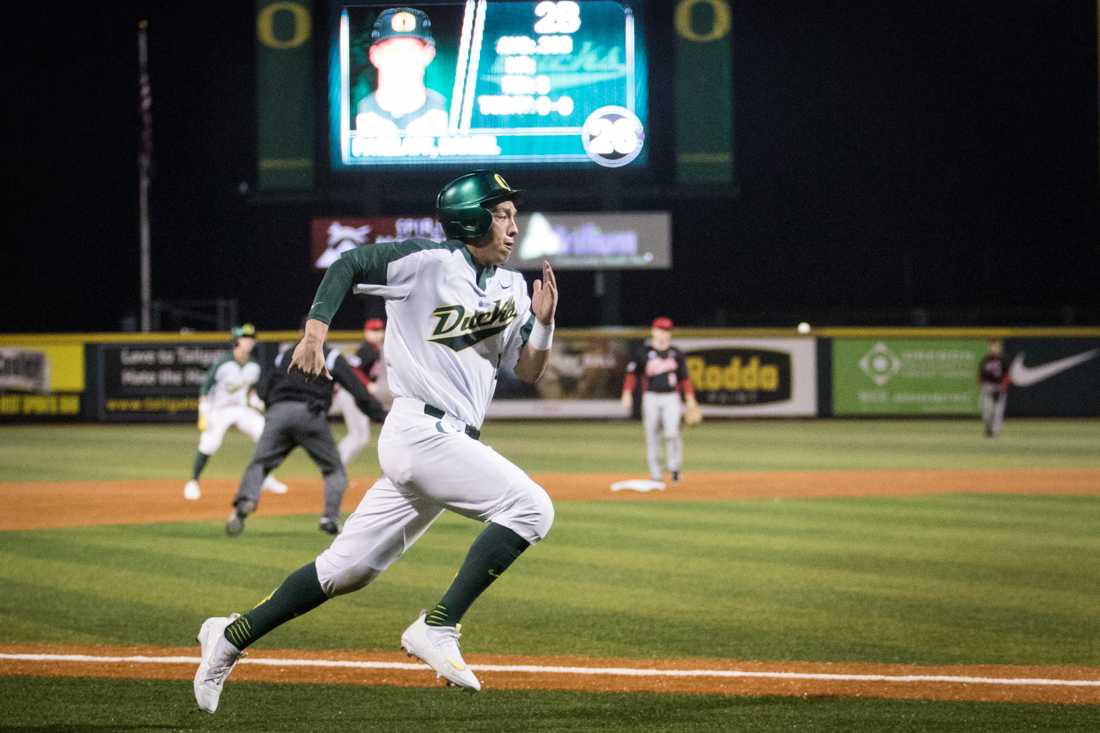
[{"x": 890, "y": 155}]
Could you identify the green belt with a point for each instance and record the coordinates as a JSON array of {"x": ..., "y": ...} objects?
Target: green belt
[{"x": 436, "y": 412}]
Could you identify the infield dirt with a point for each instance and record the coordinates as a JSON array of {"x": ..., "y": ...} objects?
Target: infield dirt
[{"x": 40, "y": 504}]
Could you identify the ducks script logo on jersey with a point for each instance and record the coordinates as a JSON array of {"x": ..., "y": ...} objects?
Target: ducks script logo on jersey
[{"x": 459, "y": 329}]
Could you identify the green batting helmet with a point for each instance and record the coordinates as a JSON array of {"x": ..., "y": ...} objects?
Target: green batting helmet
[
  {"x": 402, "y": 23},
  {"x": 463, "y": 204}
]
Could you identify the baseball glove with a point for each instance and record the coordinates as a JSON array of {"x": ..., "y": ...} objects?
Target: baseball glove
[
  {"x": 204, "y": 410},
  {"x": 693, "y": 415}
]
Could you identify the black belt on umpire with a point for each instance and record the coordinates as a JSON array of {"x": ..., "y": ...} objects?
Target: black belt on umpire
[{"x": 439, "y": 414}]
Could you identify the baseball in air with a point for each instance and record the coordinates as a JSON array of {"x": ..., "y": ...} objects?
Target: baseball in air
[{"x": 803, "y": 327}]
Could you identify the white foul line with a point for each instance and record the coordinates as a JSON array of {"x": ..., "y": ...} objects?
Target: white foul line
[{"x": 593, "y": 671}]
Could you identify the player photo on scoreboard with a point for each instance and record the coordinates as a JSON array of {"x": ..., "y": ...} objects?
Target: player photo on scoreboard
[{"x": 487, "y": 81}]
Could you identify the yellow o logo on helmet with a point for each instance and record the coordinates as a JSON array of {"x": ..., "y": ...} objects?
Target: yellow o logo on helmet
[
  {"x": 501, "y": 182},
  {"x": 403, "y": 22}
]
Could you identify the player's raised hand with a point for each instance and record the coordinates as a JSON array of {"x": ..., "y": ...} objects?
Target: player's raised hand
[{"x": 544, "y": 296}]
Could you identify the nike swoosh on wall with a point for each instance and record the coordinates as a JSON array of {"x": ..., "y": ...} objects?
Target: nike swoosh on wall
[{"x": 1025, "y": 376}]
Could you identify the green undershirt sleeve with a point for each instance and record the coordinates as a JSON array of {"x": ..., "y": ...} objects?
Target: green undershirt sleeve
[{"x": 334, "y": 288}]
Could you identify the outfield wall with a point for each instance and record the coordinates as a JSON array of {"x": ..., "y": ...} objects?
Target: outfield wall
[{"x": 843, "y": 372}]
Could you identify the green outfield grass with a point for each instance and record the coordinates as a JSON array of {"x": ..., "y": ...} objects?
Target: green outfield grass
[
  {"x": 139, "y": 451},
  {"x": 130, "y": 705},
  {"x": 931, "y": 580},
  {"x": 926, "y": 580}
]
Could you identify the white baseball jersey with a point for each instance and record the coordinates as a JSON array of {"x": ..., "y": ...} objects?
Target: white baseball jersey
[
  {"x": 451, "y": 323},
  {"x": 228, "y": 382}
]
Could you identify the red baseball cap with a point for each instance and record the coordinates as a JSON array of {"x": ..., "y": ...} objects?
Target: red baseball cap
[
  {"x": 374, "y": 324},
  {"x": 663, "y": 322}
]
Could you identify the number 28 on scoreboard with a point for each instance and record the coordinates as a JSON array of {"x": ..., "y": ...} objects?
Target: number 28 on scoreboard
[{"x": 485, "y": 81}]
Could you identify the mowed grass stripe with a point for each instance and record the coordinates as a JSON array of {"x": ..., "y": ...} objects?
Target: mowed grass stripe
[
  {"x": 812, "y": 579},
  {"x": 1042, "y": 512},
  {"x": 74, "y": 703},
  {"x": 29, "y": 453}
]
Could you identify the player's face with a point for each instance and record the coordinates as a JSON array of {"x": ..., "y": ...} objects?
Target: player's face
[
  {"x": 244, "y": 346},
  {"x": 374, "y": 336},
  {"x": 402, "y": 57},
  {"x": 496, "y": 246},
  {"x": 661, "y": 339}
]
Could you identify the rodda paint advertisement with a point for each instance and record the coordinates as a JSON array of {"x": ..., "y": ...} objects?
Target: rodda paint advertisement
[{"x": 753, "y": 377}]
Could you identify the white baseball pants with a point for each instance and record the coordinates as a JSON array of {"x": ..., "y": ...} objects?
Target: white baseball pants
[
  {"x": 429, "y": 464},
  {"x": 357, "y": 423},
  {"x": 993, "y": 408},
  {"x": 661, "y": 418},
  {"x": 248, "y": 421}
]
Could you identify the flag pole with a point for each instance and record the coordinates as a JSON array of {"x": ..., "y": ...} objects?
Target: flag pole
[{"x": 145, "y": 159}]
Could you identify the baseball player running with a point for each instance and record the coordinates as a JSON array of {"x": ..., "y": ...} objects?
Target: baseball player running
[
  {"x": 454, "y": 318},
  {"x": 993, "y": 381},
  {"x": 366, "y": 364},
  {"x": 228, "y": 399},
  {"x": 663, "y": 378}
]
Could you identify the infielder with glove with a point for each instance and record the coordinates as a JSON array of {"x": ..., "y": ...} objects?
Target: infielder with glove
[
  {"x": 664, "y": 377},
  {"x": 297, "y": 415},
  {"x": 993, "y": 381},
  {"x": 228, "y": 399},
  {"x": 454, "y": 318}
]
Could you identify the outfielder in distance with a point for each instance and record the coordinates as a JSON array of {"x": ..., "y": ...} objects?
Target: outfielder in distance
[
  {"x": 454, "y": 318},
  {"x": 993, "y": 381},
  {"x": 226, "y": 399}
]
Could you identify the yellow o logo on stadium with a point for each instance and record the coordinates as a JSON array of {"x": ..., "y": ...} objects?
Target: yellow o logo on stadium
[
  {"x": 719, "y": 28},
  {"x": 265, "y": 25},
  {"x": 403, "y": 22}
]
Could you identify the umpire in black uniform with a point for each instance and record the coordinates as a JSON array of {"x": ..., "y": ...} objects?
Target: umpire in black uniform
[{"x": 297, "y": 414}]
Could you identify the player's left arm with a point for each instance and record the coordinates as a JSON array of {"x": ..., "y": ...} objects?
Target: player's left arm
[
  {"x": 535, "y": 355},
  {"x": 693, "y": 415},
  {"x": 683, "y": 381}
]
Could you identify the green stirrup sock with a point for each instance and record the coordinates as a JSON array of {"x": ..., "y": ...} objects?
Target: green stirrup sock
[
  {"x": 493, "y": 551},
  {"x": 200, "y": 463},
  {"x": 300, "y": 593}
]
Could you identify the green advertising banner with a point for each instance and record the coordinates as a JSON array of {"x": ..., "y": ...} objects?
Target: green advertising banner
[
  {"x": 284, "y": 57},
  {"x": 704, "y": 101},
  {"x": 906, "y": 376}
]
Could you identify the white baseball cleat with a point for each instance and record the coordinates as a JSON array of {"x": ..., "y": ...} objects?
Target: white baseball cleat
[
  {"x": 218, "y": 659},
  {"x": 191, "y": 491},
  {"x": 274, "y": 485},
  {"x": 437, "y": 646}
]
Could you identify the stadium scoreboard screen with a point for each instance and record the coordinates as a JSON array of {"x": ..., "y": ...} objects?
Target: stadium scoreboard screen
[{"x": 487, "y": 82}]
